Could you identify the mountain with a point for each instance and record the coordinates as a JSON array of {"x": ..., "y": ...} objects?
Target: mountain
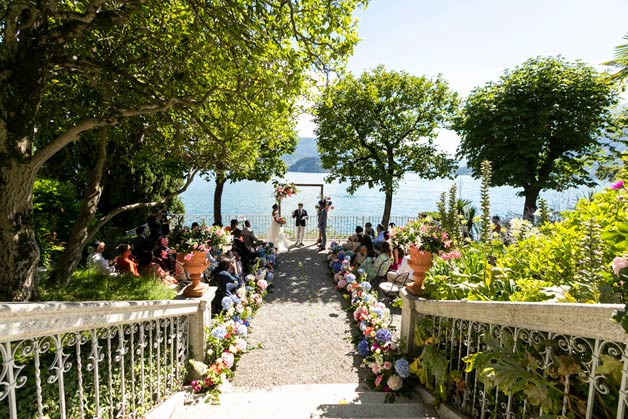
[
  {"x": 308, "y": 165},
  {"x": 306, "y": 147}
]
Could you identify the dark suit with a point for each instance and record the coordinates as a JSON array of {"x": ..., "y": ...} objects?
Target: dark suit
[{"x": 300, "y": 216}]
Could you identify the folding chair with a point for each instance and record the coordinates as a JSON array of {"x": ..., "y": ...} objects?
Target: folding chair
[
  {"x": 391, "y": 289},
  {"x": 381, "y": 273}
]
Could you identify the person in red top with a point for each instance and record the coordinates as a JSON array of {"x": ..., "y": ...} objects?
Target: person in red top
[{"x": 125, "y": 263}]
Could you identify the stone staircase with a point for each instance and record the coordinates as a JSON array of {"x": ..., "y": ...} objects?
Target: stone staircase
[{"x": 301, "y": 402}]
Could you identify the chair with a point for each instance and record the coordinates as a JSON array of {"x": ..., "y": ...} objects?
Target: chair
[
  {"x": 381, "y": 273},
  {"x": 391, "y": 289}
]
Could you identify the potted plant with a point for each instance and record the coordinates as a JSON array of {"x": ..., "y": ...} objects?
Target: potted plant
[
  {"x": 192, "y": 245},
  {"x": 422, "y": 238}
]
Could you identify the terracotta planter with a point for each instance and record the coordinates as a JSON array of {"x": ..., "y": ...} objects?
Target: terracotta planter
[
  {"x": 195, "y": 267},
  {"x": 420, "y": 261}
]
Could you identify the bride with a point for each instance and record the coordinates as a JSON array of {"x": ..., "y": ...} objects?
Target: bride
[{"x": 276, "y": 235}]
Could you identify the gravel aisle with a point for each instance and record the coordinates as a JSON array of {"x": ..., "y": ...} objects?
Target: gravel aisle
[{"x": 303, "y": 331}]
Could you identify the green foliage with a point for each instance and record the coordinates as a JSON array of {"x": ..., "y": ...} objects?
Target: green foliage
[
  {"x": 539, "y": 125},
  {"x": 486, "y": 171},
  {"x": 55, "y": 207},
  {"x": 375, "y": 128},
  {"x": 543, "y": 212},
  {"x": 88, "y": 285}
]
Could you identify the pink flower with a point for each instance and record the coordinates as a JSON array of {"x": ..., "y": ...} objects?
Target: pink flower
[
  {"x": 188, "y": 256},
  {"x": 619, "y": 264},
  {"x": 387, "y": 365},
  {"x": 617, "y": 185},
  {"x": 228, "y": 359},
  {"x": 342, "y": 283},
  {"x": 240, "y": 345},
  {"x": 378, "y": 380},
  {"x": 375, "y": 368},
  {"x": 262, "y": 284}
]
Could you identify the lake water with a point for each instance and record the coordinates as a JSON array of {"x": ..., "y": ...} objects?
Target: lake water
[{"x": 414, "y": 195}]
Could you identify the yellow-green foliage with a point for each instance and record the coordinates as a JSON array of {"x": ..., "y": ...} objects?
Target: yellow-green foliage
[{"x": 87, "y": 285}]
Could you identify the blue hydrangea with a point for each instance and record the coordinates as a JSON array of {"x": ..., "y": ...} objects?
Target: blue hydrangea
[
  {"x": 360, "y": 271},
  {"x": 271, "y": 258},
  {"x": 270, "y": 276},
  {"x": 368, "y": 298},
  {"x": 350, "y": 278},
  {"x": 364, "y": 348},
  {"x": 226, "y": 303},
  {"x": 219, "y": 332},
  {"x": 402, "y": 367},
  {"x": 235, "y": 299},
  {"x": 366, "y": 286},
  {"x": 383, "y": 336},
  {"x": 250, "y": 277},
  {"x": 347, "y": 258},
  {"x": 363, "y": 325},
  {"x": 242, "y": 330},
  {"x": 379, "y": 312}
]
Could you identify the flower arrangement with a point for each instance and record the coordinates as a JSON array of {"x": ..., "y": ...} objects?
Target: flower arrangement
[
  {"x": 281, "y": 220},
  {"x": 202, "y": 239},
  {"x": 283, "y": 190},
  {"x": 324, "y": 201},
  {"x": 424, "y": 235},
  {"x": 388, "y": 366},
  {"x": 227, "y": 338}
]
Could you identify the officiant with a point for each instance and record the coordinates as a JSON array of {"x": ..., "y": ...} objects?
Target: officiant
[{"x": 300, "y": 216}]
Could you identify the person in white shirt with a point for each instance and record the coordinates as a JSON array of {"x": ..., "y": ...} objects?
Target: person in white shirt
[{"x": 99, "y": 262}]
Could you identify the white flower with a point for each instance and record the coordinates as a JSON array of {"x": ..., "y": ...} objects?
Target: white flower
[{"x": 394, "y": 382}]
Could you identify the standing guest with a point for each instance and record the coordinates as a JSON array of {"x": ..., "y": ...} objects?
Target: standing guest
[
  {"x": 154, "y": 226},
  {"x": 247, "y": 256},
  {"x": 165, "y": 216},
  {"x": 300, "y": 216},
  {"x": 142, "y": 248},
  {"x": 322, "y": 222},
  {"x": 368, "y": 230},
  {"x": 125, "y": 263},
  {"x": 99, "y": 262},
  {"x": 497, "y": 228}
]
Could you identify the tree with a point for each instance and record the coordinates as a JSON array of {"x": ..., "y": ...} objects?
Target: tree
[
  {"x": 374, "y": 129},
  {"x": 539, "y": 126},
  {"x": 620, "y": 63},
  {"x": 139, "y": 57}
]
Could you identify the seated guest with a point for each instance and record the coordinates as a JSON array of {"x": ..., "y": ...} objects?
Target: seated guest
[
  {"x": 377, "y": 241},
  {"x": 365, "y": 249},
  {"x": 398, "y": 255},
  {"x": 355, "y": 240},
  {"x": 99, "y": 262},
  {"x": 239, "y": 246},
  {"x": 166, "y": 256},
  {"x": 142, "y": 248},
  {"x": 232, "y": 225},
  {"x": 250, "y": 241},
  {"x": 226, "y": 280},
  {"x": 125, "y": 263},
  {"x": 377, "y": 267},
  {"x": 368, "y": 230}
]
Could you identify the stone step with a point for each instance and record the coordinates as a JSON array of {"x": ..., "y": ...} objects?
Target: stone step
[{"x": 307, "y": 402}]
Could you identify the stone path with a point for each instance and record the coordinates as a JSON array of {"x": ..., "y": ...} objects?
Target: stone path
[{"x": 301, "y": 335}]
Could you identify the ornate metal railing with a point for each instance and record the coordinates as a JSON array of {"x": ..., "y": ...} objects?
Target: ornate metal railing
[
  {"x": 93, "y": 360},
  {"x": 567, "y": 360},
  {"x": 338, "y": 226}
]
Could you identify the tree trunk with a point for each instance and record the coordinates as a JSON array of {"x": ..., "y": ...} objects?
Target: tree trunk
[
  {"x": 80, "y": 231},
  {"x": 529, "y": 208},
  {"x": 220, "y": 185},
  {"x": 19, "y": 252},
  {"x": 387, "y": 206}
]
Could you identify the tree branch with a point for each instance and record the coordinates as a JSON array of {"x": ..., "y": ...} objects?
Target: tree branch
[{"x": 105, "y": 219}]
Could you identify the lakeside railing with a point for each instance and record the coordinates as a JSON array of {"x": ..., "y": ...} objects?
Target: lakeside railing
[
  {"x": 96, "y": 359},
  {"x": 338, "y": 226},
  {"x": 575, "y": 350}
]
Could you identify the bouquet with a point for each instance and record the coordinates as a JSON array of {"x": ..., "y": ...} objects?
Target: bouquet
[
  {"x": 283, "y": 190},
  {"x": 281, "y": 220},
  {"x": 324, "y": 201}
]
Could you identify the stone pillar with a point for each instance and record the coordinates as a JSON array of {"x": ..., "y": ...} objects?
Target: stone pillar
[
  {"x": 199, "y": 324},
  {"x": 408, "y": 318}
]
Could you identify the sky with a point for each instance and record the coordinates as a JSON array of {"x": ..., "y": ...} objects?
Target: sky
[{"x": 472, "y": 42}]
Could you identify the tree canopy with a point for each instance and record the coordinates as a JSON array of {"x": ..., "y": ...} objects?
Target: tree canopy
[
  {"x": 373, "y": 129},
  {"x": 114, "y": 60},
  {"x": 539, "y": 125}
]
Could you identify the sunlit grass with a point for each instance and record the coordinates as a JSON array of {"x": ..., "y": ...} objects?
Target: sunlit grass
[{"x": 87, "y": 285}]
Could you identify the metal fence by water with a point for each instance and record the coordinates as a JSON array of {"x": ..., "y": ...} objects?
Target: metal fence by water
[{"x": 338, "y": 226}]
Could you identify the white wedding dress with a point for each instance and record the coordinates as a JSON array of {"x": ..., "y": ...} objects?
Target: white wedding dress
[{"x": 277, "y": 236}]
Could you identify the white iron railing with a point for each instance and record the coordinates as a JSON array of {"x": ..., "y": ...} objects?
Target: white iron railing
[
  {"x": 576, "y": 348},
  {"x": 338, "y": 226},
  {"x": 95, "y": 359}
]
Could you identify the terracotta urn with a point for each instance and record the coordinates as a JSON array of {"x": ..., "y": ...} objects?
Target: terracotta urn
[
  {"x": 195, "y": 267},
  {"x": 420, "y": 261}
]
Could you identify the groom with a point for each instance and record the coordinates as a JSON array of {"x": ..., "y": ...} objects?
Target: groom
[{"x": 300, "y": 215}]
